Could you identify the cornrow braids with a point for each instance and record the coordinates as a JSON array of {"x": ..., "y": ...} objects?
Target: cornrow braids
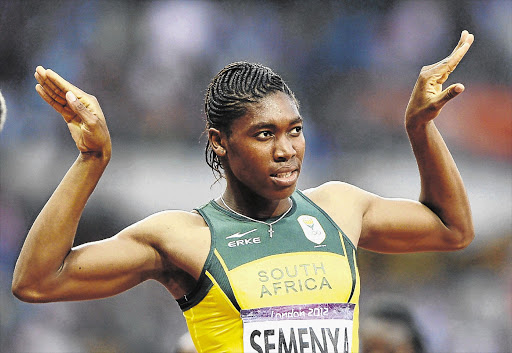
[{"x": 230, "y": 92}]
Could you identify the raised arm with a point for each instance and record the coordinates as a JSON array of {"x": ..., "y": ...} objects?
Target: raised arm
[
  {"x": 47, "y": 269},
  {"x": 441, "y": 220}
]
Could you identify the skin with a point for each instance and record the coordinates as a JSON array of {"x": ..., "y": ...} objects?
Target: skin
[{"x": 265, "y": 144}]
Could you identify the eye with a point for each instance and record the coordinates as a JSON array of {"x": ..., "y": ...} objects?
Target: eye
[
  {"x": 264, "y": 135},
  {"x": 296, "y": 131}
]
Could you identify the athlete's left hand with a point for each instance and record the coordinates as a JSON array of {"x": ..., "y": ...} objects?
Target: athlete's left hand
[{"x": 428, "y": 97}]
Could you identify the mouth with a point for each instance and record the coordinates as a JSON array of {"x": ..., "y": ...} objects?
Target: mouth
[
  {"x": 282, "y": 175},
  {"x": 287, "y": 178}
]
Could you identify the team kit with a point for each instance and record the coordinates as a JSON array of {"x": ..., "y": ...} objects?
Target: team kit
[{"x": 286, "y": 285}]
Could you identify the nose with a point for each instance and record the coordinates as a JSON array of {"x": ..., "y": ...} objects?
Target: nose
[{"x": 284, "y": 149}]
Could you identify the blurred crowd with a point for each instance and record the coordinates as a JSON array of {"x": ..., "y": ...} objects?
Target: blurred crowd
[{"x": 351, "y": 64}]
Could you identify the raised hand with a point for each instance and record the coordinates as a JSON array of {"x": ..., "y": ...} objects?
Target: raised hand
[
  {"x": 428, "y": 97},
  {"x": 80, "y": 110}
]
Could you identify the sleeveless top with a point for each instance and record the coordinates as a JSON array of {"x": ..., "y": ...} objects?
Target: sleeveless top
[{"x": 307, "y": 261}]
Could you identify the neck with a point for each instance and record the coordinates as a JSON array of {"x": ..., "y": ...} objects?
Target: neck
[{"x": 255, "y": 206}]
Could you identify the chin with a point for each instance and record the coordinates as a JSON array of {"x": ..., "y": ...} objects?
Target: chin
[{"x": 283, "y": 193}]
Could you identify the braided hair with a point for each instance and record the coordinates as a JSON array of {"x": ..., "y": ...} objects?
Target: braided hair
[{"x": 230, "y": 92}]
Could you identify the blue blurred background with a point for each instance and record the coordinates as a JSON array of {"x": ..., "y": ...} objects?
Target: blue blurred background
[{"x": 352, "y": 65}]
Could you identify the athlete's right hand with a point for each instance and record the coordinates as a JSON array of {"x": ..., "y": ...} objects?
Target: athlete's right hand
[{"x": 80, "y": 110}]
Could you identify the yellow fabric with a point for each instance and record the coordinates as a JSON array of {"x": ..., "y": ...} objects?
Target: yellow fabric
[
  {"x": 284, "y": 279},
  {"x": 307, "y": 261},
  {"x": 287, "y": 279},
  {"x": 214, "y": 324}
]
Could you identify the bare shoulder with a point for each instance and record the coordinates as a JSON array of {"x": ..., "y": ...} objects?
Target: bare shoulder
[
  {"x": 346, "y": 204},
  {"x": 152, "y": 229},
  {"x": 337, "y": 192},
  {"x": 169, "y": 221},
  {"x": 182, "y": 238}
]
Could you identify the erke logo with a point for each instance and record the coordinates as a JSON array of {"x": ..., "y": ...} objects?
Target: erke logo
[
  {"x": 239, "y": 235},
  {"x": 312, "y": 229},
  {"x": 247, "y": 241}
]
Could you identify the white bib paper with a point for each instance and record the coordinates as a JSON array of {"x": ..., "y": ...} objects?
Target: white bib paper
[{"x": 308, "y": 328}]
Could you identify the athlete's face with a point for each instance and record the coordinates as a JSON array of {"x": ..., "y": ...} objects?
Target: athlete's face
[{"x": 265, "y": 149}]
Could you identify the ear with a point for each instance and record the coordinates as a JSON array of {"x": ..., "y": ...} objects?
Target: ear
[{"x": 216, "y": 139}]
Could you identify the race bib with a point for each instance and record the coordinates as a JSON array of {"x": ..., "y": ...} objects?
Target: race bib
[{"x": 299, "y": 328}]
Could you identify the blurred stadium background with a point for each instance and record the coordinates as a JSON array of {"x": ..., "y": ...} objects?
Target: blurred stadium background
[{"x": 352, "y": 65}]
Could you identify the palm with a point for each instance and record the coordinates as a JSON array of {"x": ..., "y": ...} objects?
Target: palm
[
  {"x": 90, "y": 134},
  {"x": 428, "y": 96},
  {"x": 84, "y": 140}
]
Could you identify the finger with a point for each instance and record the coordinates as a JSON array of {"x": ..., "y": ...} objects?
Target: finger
[
  {"x": 49, "y": 99},
  {"x": 55, "y": 85},
  {"x": 39, "y": 78},
  {"x": 53, "y": 91},
  {"x": 48, "y": 86},
  {"x": 41, "y": 71},
  {"x": 450, "y": 93},
  {"x": 466, "y": 39},
  {"x": 462, "y": 39},
  {"x": 80, "y": 109},
  {"x": 452, "y": 60},
  {"x": 62, "y": 84},
  {"x": 448, "y": 65},
  {"x": 457, "y": 56},
  {"x": 65, "y": 111}
]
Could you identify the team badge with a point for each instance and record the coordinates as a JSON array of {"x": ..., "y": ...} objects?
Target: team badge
[{"x": 312, "y": 229}]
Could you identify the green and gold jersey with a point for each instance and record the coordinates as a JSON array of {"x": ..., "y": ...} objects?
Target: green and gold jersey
[{"x": 303, "y": 275}]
